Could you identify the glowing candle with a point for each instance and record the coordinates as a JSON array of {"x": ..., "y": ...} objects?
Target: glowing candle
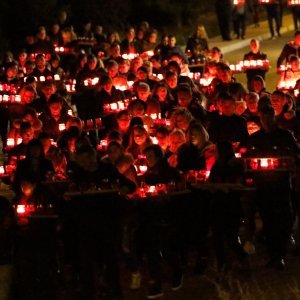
[
  {"x": 121, "y": 105},
  {"x": 18, "y": 98},
  {"x": 2, "y": 171},
  {"x": 61, "y": 126},
  {"x": 10, "y": 142},
  {"x": 113, "y": 106},
  {"x": 42, "y": 78},
  {"x": 56, "y": 77},
  {"x": 21, "y": 209}
]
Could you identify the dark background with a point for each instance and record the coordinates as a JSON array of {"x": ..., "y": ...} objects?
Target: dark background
[{"x": 18, "y": 18}]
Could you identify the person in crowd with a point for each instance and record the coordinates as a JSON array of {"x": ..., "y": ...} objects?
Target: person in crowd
[
  {"x": 151, "y": 42},
  {"x": 34, "y": 165},
  {"x": 173, "y": 48},
  {"x": 11, "y": 74},
  {"x": 122, "y": 161},
  {"x": 239, "y": 18},
  {"x": 274, "y": 13},
  {"x": 138, "y": 108},
  {"x": 92, "y": 69},
  {"x": 96, "y": 236},
  {"x": 139, "y": 140},
  {"x": 54, "y": 116},
  {"x": 158, "y": 239},
  {"x": 258, "y": 85},
  {"x": 118, "y": 79},
  {"x": 291, "y": 74},
  {"x": 129, "y": 44},
  {"x": 274, "y": 190},
  {"x": 166, "y": 101},
  {"x": 20, "y": 150},
  {"x": 185, "y": 100},
  {"x": 176, "y": 139},
  {"x": 162, "y": 137},
  {"x": 162, "y": 47},
  {"x": 41, "y": 68},
  {"x": 224, "y": 15},
  {"x": 251, "y": 113},
  {"x": 181, "y": 119},
  {"x": 290, "y": 48},
  {"x": 226, "y": 206},
  {"x": 42, "y": 44},
  {"x": 255, "y": 54},
  {"x": 228, "y": 126},
  {"x": 296, "y": 15},
  {"x": 198, "y": 152},
  {"x": 55, "y": 34},
  {"x": 48, "y": 88},
  {"x": 30, "y": 116},
  {"x": 284, "y": 113},
  {"x": 198, "y": 39}
]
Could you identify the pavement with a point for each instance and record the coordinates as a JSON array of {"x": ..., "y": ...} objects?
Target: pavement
[{"x": 261, "y": 33}]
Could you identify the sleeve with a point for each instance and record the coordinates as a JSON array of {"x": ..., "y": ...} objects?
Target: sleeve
[{"x": 282, "y": 56}]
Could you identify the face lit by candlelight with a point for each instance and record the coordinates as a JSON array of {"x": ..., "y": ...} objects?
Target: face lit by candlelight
[
  {"x": 151, "y": 158},
  {"x": 40, "y": 62},
  {"x": 108, "y": 86},
  {"x": 27, "y": 136},
  {"x": 46, "y": 143},
  {"x": 196, "y": 138},
  {"x": 172, "y": 81},
  {"x": 114, "y": 153},
  {"x": 27, "y": 97},
  {"x": 139, "y": 136},
  {"x": 182, "y": 122},
  {"x": 55, "y": 109},
  {"x": 143, "y": 94},
  {"x": 254, "y": 46},
  {"x": 297, "y": 39},
  {"x": 112, "y": 71},
  {"x": 278, "y": 103},
  {"x": 227, "y": 107},
  {"x": 163, "y": 140},
  {"x": 184, "y": 99},
  {"x": 161, "y": 93},
  {"x": 27, "y": 188},
  {"x": 123, "y": 122},
  {"x": 48, "y": 91},
  {"x": 176, "y": 139},
  {"x": 252, "y": 102}
]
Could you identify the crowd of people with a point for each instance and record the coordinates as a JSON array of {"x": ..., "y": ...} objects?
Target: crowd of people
[{"x": 96, "y": 111}]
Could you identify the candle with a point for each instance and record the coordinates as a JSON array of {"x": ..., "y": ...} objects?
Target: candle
[
  {"x": 42, "y": 78},
  {"x": 2, "y": 170},
  {"x": 21, "y": 209},
  {"x": 56, "y": 77},
  {"x": 10, "y": 142},
  {"x": 19, "y": 141},
  {"x": 89, "y": 123},
  {"x": 61, "y": 127},
  {"x": 130, "y": 83},
  {"x": 121, "y": 105},
  {"x": 154, "y": 140},
  {"x": 113, "y": 106},
  {"x": 98, "y": 122},
  {"x": 143, "y": 169},
  {"x": 17, "y": 98}
]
